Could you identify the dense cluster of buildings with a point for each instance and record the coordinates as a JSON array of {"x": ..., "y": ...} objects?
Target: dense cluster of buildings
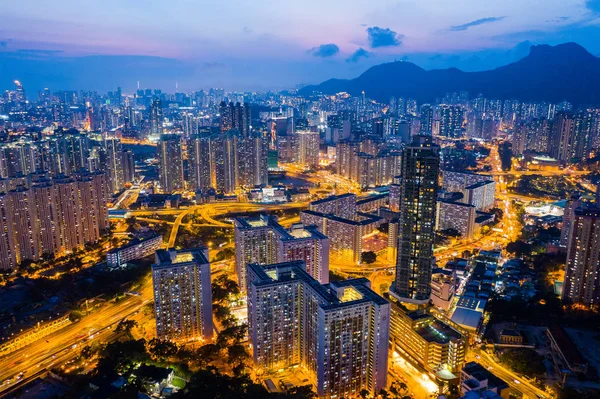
[
  {"x": 42, "y": 217},
  {"x": 337, "y": 332},
  {"x": 263, "y": 240}
]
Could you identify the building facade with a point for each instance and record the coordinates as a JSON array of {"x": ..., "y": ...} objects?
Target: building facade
[
  {"x": 182, "y": 294},
  {"x": 582, "y": 280},
  {"x": 419, "y": 186},
  {"x": 338, "y": 333}
]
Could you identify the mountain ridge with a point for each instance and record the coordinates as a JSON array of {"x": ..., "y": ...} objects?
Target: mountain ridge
[{"x": 548, "y": 73}]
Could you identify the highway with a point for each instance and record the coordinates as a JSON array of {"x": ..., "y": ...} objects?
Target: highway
[{"x": 30, "y": 358}]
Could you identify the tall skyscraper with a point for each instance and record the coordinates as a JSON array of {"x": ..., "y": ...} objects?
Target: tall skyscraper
[
  {"x": 426, "y": 120},
  {"x": 568, "y": 217},
  {"x": 182, "y": 294},
  {"x": 451, "y": 120},
  {"x": 583, "y": 132},
  {"x": 308, "y": 148},
  {"x": 200, "y": 162},
  {"x": 225, "y": 149},
  {"x": 235, "y": 117},
  {"x": 338, "y": 333},
  {"x": 252, "y": 155},
  {"x": 562, "y": 137},
  {"x": 170, "y": 163},
  {"x": 156, "y": 118},
  {"x": 114, "y": 164},
  {"x": 582, "y": 279},
  {"x": 305, "y": 243},
  {"x": 419, "y": 186}
]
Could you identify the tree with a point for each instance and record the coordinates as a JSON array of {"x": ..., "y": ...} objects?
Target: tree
[
  {"x": 519, "y": 248},
  {"x": 75, "y": 316},
  {"x": 161, "y": 349},
  {"x": 125, "y": 326},
  {"x": 368, "y": 257},
  {"x": 301, "y": 392},
  {"x": 524, "y": 361}
]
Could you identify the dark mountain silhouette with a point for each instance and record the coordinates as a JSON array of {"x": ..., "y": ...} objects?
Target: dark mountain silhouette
[{"x": 549, "y": 73}]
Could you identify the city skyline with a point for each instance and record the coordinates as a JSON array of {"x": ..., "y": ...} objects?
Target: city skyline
[{"x": 237, "y": 48}]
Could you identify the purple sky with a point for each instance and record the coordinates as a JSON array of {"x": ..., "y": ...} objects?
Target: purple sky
[{"x": 271, "y": 43}]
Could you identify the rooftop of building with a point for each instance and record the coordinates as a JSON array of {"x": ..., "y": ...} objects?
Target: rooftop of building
[
  {"x": 363, "y": 219},
  {"x": 332, "y": 198},
  {"x": 170, "y": 257},
  {"x": 478, "y": 372},
  {"x": 335, "y": 295},
  {"x": 371, "y": 198},
  {"x": 438, "y": 332},
  {"x": 134, "y": 242},
  {"x": 479, "y": 184},
  {"x": 256, "y": 222},
  {"x": 509, "y": 332},
  {"x": 299, "y": 231}
]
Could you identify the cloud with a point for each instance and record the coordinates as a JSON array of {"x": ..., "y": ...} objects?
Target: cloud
[
  {"x": 477, "y": 22},
  {"x": 358, "y": 54},
  {"x": 383, "y": 37},
  {"x": 325, "y": 50},
  {"x": 247, "y": 29}
]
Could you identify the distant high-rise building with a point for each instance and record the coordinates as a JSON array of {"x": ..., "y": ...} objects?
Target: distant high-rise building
[
  {"x": 200, "y": 154},
  {"x": 582, "y": 276},
  {"x": 573, "y": 203},
  {"x": 43, "y": 216},
  {"x": 235, "y": 117},
  {"x": 426, "y": 120},
  {"x": 308, "y": 148},
  {"x": 451, "y": 120},
  {"x": 182, "y": 294},
  {"x": 252, "y": 158},
  {"x": 583, "y": 132},
  {"x": 156, "y": 118},
  {"x": 128, "y": 164},
  {"x": 114, "y": 164},
  {"x": 170, "y": 163},
  {"x": 419, "y": 186},
  {"x": 562, "y": 137},
  {"x": 226, "y": 150},
  {"x": 337, "y": 333}
]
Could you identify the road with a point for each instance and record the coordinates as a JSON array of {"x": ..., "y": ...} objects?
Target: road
[
  {"x": 517, "y": 383},
  {"x": 61, "y": 345},
  {"x": 33, "y": 356}
]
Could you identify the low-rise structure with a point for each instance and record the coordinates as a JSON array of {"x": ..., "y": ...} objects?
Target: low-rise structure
[
  {"x": 425, "y": 340},
  {"x": 136, "y": 249},
  {"x": 476, "y": 378}
]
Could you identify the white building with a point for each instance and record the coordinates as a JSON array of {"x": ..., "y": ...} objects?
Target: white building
[{"x": 136, "y": 249}]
